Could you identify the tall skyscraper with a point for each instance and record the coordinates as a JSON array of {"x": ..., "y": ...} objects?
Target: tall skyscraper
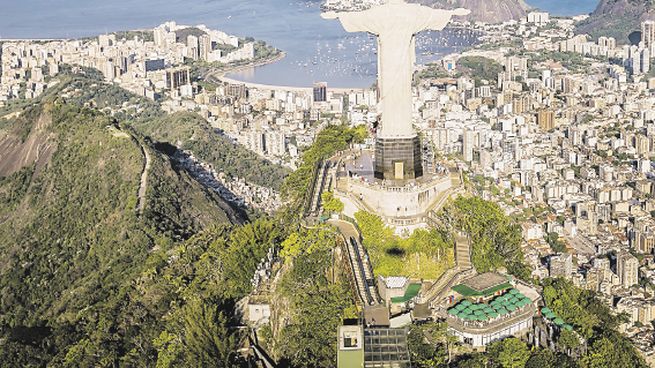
[
  {"x": 177, "y": 77},
  {"x": 320, "y": 92},
  {"x": 239, "y": 91},
  {"x": 160, "y": 36},
  {"x": 645, "y": 60}
]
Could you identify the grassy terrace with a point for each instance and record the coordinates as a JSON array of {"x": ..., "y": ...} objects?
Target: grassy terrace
[{"x": 424, "y": 255}]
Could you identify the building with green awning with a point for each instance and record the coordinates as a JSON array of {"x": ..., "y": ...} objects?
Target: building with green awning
[{"x": 488, "y": 307}]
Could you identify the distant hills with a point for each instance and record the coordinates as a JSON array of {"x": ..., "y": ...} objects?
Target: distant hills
[
  {"x": 488, "y": 11},
  {"x": 618, "y": 18}
]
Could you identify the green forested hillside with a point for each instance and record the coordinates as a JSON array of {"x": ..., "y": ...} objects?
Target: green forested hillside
[
  {"x": 191, "y": 132},
  {"x": 617, "y": 18},
  {"x": 99, "y": 271},
  {"x": 73, "y": 241}
]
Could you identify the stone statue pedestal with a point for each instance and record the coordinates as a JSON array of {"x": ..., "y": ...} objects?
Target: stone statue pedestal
[
  {"x": 398, "y": 159},
  {"x": 404, "y": 205}
]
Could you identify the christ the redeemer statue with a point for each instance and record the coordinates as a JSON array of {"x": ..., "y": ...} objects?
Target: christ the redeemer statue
[{"x": 396, "y": 24}]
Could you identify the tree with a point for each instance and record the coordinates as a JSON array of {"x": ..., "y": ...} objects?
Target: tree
[
  {"x": 431, "y": 345},
  {"x": 199, "y": 337},
  {"x": 475, "y": 360},
  {"x": 245, "y": 248},
  {"x": 509, "y": 353},
  {"x": 568, "y": 341},
  {"x": 316, "y": 304},
  {"x": 612, "y": 350},
  {"x": 541, "y": 358},
  {"x": 496, "y": 239},
  {"x": 423, "y": 354},
  {"x": 564, "y": 361},
  {"x": 329, "y": 141},
  {"x": 481, "y": 68},
  {"x": 572, "y": 305},
  {"x": 595, "y": 322},
  {"x": 307, "y": 241},
  {"x": 600, "y": 355},
  {"x": 206, "y": 337},
  {"x": 555, "y": 244},
  {"x": 331, "y": 203}
]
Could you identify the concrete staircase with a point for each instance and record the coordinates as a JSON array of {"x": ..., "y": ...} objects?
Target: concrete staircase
[
  {"x": 320, "y": 183},
  {"x": 443, "y": 291},
  {"x": 462, "y": 270},
  {"x": 429, "y": 294},
  {"x": 463, "y": 252}
]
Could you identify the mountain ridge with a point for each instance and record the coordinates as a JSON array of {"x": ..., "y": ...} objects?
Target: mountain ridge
[
  {"x": 488, "y": 11},
  {"x": 617, "y": 18}
]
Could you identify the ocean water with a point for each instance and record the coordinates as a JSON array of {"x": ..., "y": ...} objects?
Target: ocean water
[{"x": 317, "y": 49}]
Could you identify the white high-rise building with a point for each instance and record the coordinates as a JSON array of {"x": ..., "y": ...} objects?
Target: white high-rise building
[
  {"x": 645, "y": 60},
  {"x": 468, "y": 141},
  {"x": 193, "y": 47},
  {"x": 204, "y": 47},
  {"x": 627, "y": 268},
  {"x": 538, "y": 18},
  {"x": 648, "y": 33}
]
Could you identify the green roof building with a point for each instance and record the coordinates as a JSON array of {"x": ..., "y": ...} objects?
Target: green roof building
[
  {"x": 351, "y": 347},
  {"x": 483, "y": 286},
  {"x": 490, "y": 308}
]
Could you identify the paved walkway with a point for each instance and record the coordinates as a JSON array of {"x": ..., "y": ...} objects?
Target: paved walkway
[{"x": 143, "y": 186}]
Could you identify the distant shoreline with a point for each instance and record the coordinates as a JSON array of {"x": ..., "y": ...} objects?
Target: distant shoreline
[
  {"x": 220, "y": 75},
  {"x": 257, "y": 63}
]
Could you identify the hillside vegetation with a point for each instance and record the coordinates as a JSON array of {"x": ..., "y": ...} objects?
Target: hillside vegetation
[
  {"x": 191, "y": 132},
  {"x": 88, "y": 279},
  {"x": 71, "y": 237},
  {"x": 617, "y": 18}
]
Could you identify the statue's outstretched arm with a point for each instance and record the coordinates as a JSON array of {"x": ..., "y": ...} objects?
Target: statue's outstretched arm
[
  {"x": 361, "y": 21},
  {"x": 329, "y": 15}
]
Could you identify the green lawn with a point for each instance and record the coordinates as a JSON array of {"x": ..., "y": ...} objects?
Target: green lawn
[{"x": 423, "y": 255}]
